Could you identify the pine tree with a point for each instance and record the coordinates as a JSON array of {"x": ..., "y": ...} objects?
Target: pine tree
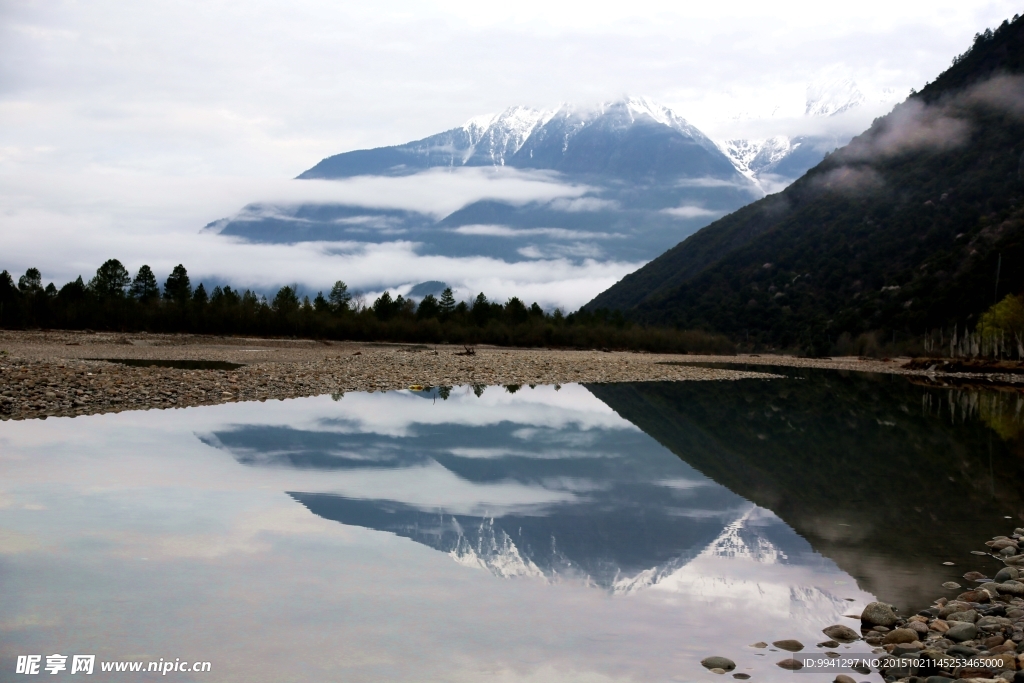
[
  {"x": 31, "y": 282},
  {"x": 200, "y": 297},
  {"x": 339, "y": 297},
  {"x": 111, "y": 279},
  {"x": 447, "y": 303},
  {"x": 144, "y": 288},
  {"x": 177, "y": 286}
]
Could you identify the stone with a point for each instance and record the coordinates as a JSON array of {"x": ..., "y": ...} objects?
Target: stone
[
  {"x": 902, "y": 649},
  {"x": 974, "y": 576},
  {"x": 1006, "y": 574},
  {"x": 844, "y": 634},
  {"x": 723, "y": 663},
  {"x": 951, "y": 585},
  {"x": 1012, "y": 587},
  {"x": 939, "y": 625},
  {"x": 919, "y": 626},
  {"x": 861, "y": 667},
  {"x": 977, "y": 595},
  {"x": 790, "y": 664},
  {"x": 789, "y": 645},
  {"x": 878, "y": 614},
  {"x": 881, "y": 629},
  {"x": 760, "y": 644},
  {"x": 716, "y": 670},
  {"x": 843, "y": 678},
  {"x": 1014, "y": 560},
  {"x": 938, "y": 679},
  {"x": 961, "y": 631},
  {"x": 828, "y": 643},
  {"x": 969, "y": 672},
  {"x": 741, "y": 677},
  {"x": 900, "y": 635},
  {"x": 1002, "y": 660},
  {"x": 993, "y": 641},
  {"x": 970, "y": 616}
]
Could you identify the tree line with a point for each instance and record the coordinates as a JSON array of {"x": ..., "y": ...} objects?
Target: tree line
[{"x": 114, "y": 300}]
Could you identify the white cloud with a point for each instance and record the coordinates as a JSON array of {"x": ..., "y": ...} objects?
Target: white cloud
[
  {"x": 125, "y": 127},
  {"x": 584, "y": 204},
  {"x": 691, "y": 212},
  {"x": 554, "y": 233}
]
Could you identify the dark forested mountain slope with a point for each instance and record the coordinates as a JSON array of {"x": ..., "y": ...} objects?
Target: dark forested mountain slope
[{"x": 900, "y": 230}]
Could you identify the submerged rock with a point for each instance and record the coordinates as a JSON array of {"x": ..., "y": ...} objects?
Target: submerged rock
[
  {"x": 878, "y": 614},
  {"x": 844, "y": 634},
  {"x": 789, "y": 645},
  {"x": 723, "y": 663}
]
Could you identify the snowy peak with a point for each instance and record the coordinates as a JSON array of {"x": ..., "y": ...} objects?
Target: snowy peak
[
  {"x": 752, "y": 158},
  {"x": 499, "y": 136},
  {"x": 831, "y": 97}
]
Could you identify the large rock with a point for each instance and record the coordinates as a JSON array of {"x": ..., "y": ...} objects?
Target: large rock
[
  {"x": 789, "y": 645},
  {"x": 1015, "y": 588},
  {"x": 878, "y": 614},
  {"x": 900, "y": 635},
  {"x": 791, "y": 664},
  {"x": 1014, "y": 560},
  {"x": 1006, "y": 574},
  {"x": 844, "y": 634},
  {"x": 723, "y": 663},
  {"x": 960, "y": 631}
]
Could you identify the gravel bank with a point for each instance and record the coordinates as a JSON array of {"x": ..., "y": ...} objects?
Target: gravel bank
[
  {"x": 70, "y": 373},
  {"x": 57, "y": 373}
]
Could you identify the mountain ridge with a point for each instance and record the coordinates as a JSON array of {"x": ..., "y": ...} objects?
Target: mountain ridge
[{"x": 901, "y": 230}]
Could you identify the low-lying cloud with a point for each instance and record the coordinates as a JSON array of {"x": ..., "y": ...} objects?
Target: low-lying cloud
[
  {"x": 553, "y": 233},
  {"x": 67, "y": 227},
  {"x": 691, "y": 212}
]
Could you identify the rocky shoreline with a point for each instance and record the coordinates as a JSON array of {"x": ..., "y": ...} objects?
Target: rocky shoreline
[
  {"x": 977, "y": 637},
  {"x": 55, "y": 373},
  {"x": 70, "y": 374}
]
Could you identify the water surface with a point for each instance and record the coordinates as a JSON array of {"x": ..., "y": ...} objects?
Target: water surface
[{"x": 587, "y": 533}]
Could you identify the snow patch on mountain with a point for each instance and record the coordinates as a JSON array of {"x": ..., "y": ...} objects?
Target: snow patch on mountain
[
  {"x": 753, "y": 158},
  {"x": 833, "y": 96}
]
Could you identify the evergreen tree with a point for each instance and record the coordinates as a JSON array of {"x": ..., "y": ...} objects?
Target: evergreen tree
[
  {"x": 481, "y": 310},
  {"x": 339, "y": 297},
  {"x": 111, "y": 280},
  {"x": 320, "y": 304},
  {"x": 31, "y": 282},
  {"x": 177, "y": 286},
  {"x": 447, "y": 302},
  {"x": 515, "y": 311},
  {"x": 144, "y": 288},
  {"x": 199, "y": 297},
  {"x": 428, "y": 308},
  {"x": 384, "y": 307},
  {"x": 286, "y": 300}
]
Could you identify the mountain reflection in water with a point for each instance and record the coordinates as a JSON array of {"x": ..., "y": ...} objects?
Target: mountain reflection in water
[{"x": 884, "y": 477}]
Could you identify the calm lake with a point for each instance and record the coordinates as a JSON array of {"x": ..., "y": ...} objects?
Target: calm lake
[{"x": 574, "y": 533}]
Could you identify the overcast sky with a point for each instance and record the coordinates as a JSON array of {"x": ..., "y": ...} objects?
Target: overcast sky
[{"x": 140, "y": 122}]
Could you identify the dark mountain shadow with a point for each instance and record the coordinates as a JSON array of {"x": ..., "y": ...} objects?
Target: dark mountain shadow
[{"x": 886, "y": 478}]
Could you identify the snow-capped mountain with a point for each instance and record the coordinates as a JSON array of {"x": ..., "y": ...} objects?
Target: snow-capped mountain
[
  {"x": 647, "y": 179},
  {"x": 632, "y": 138},
  {"x": 831, "y": 97}
]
